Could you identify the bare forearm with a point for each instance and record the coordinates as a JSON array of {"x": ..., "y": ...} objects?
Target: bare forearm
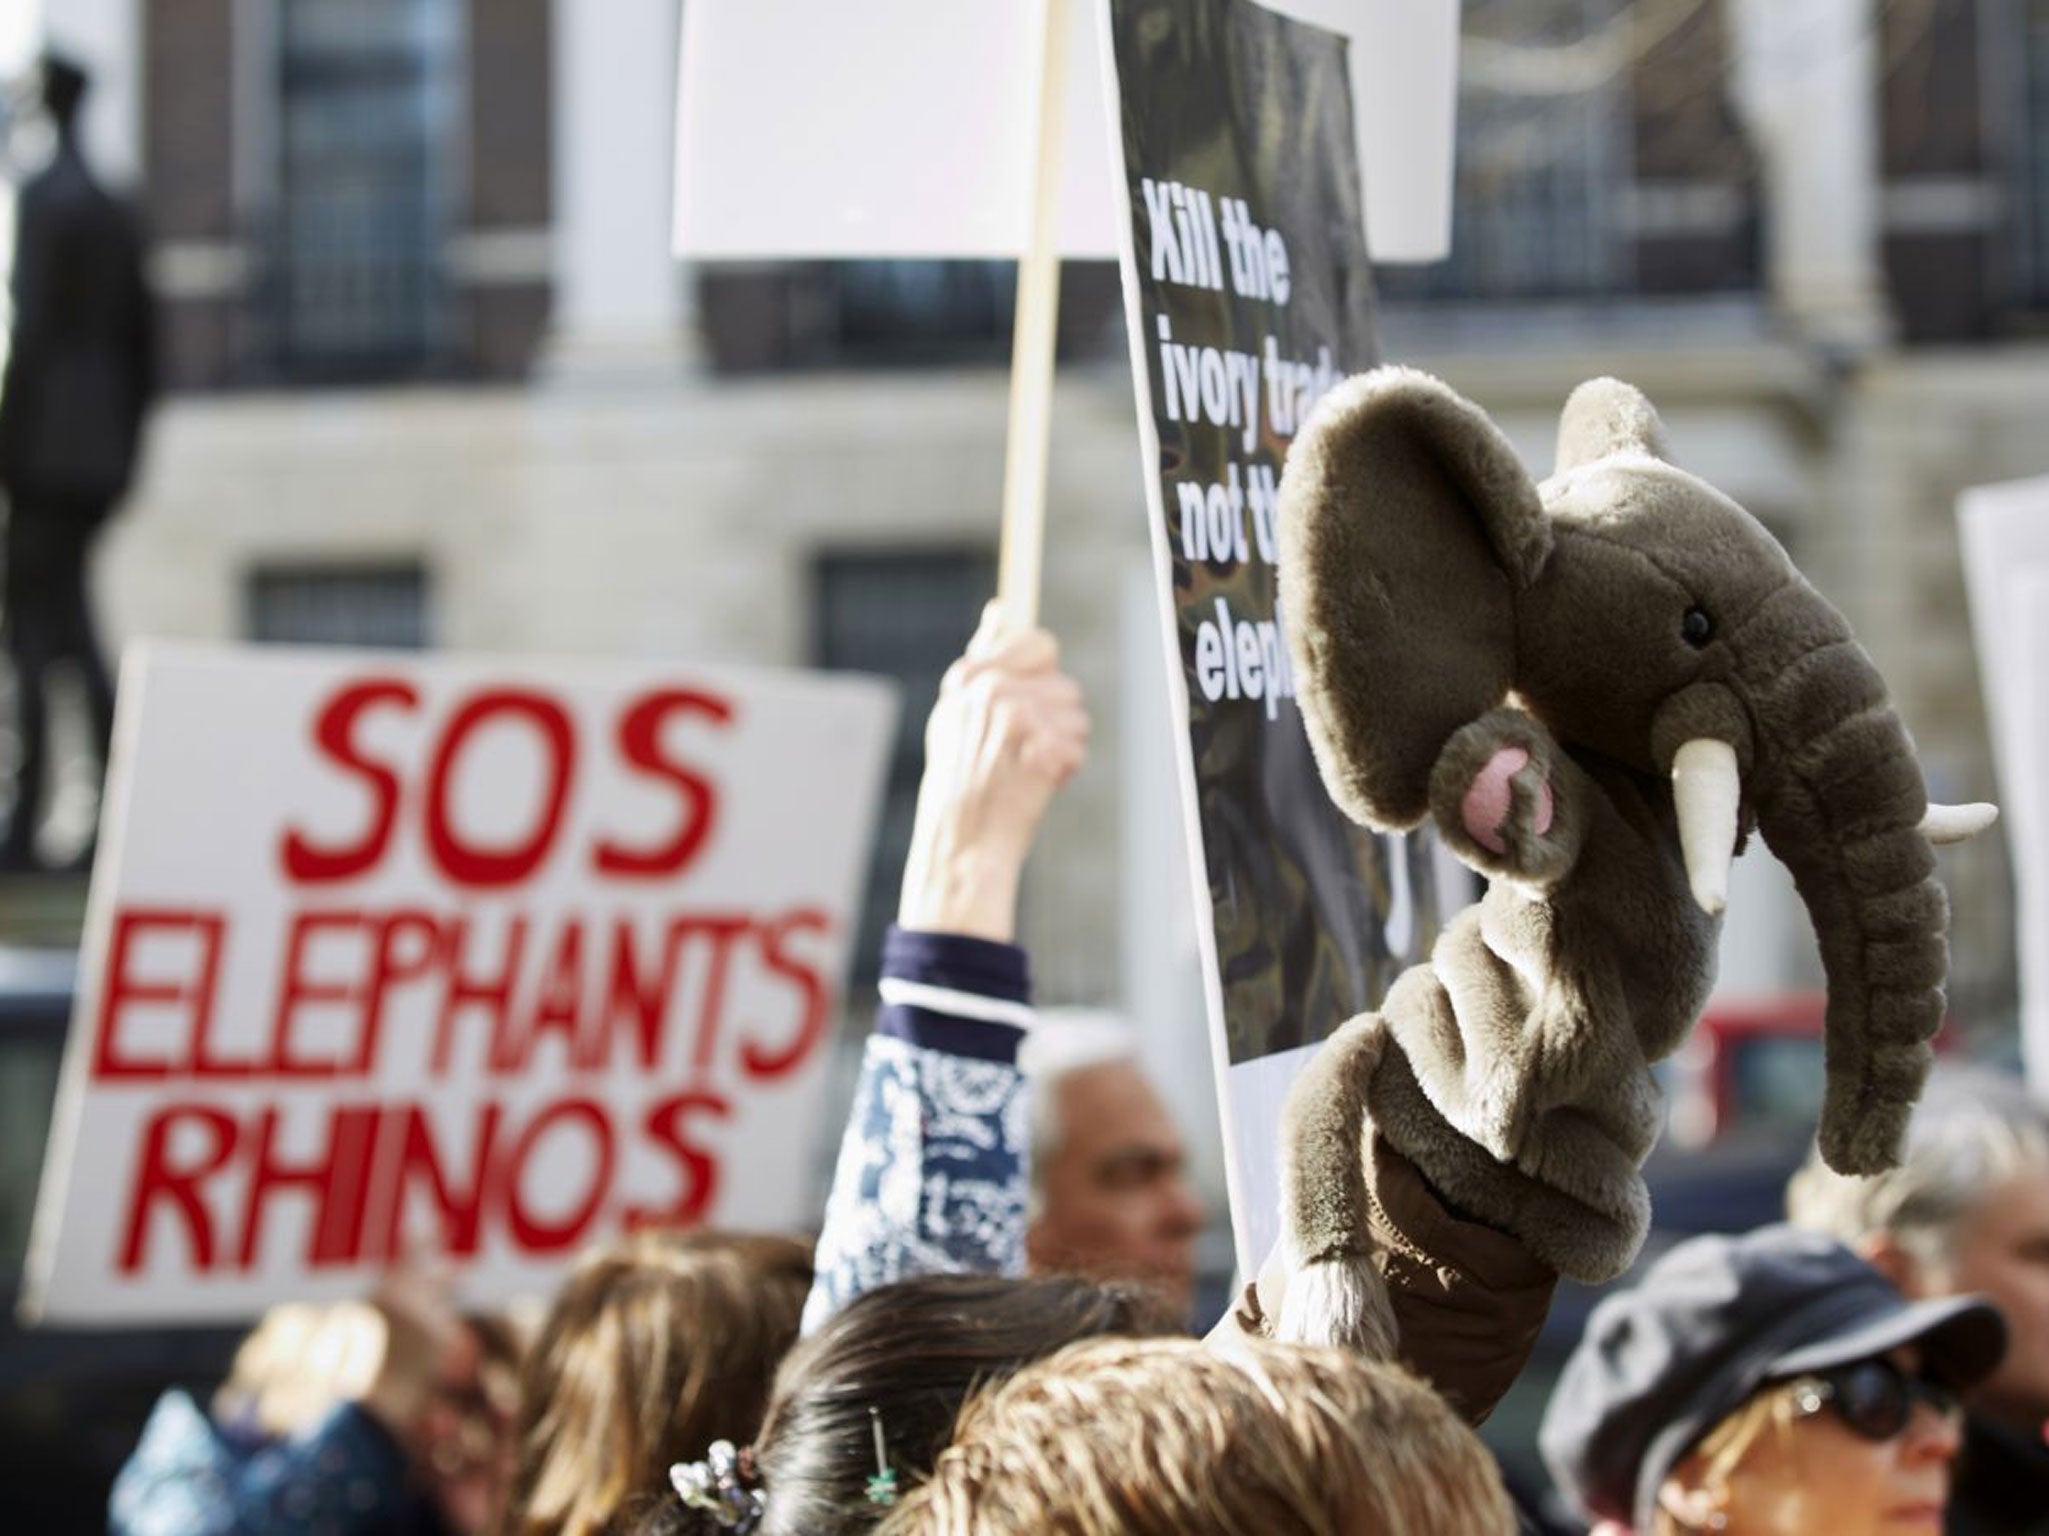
[{"x": 955, "y": 887}]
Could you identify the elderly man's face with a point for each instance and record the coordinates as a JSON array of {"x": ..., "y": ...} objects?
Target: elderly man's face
[
  {"x": 2001, "y": 1250},
  {"x": 1115, "y": 1200}
]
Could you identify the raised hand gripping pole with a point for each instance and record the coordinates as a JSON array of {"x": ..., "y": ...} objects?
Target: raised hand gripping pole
[{"x": 1032, "y": 342}]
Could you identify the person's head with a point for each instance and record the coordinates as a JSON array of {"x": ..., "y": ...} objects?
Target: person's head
[
  {"x": 1110, "y": 1192},
  {"x": 302, "y": 1360},
  {"x": 469, "y": 1455},
  {"x": 61, "y": 86},
  {"x": 1767, "y": 1385},
  {"x": 653, "y": 1348},
  {"x": 1166, "y": 1437},
  {"x": 1966, "y": 1210},
  {"x": 903, "y": 1358},
  {"x": 295, "y": 1365}
]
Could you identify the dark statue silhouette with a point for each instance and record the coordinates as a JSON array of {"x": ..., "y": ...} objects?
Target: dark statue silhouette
[{"x": 79, "y": 378}]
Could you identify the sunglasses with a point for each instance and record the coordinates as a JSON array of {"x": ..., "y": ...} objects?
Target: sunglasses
[{"x": 1875, "y": 1398}]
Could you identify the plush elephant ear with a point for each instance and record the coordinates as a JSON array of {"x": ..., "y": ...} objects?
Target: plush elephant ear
[
  {"x": 1408, "y": 525},
  {"x": 1604, "y": 417}
]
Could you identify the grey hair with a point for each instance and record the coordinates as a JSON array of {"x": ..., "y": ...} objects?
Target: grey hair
[
  {"x": 1973, "y": 1130},
  {"x": 1062, "y": 1042}
]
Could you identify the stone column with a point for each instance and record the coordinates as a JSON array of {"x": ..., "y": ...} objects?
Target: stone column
[
  {"x": 621, "y": 313},
  {"x": 1806, "y": 81}
]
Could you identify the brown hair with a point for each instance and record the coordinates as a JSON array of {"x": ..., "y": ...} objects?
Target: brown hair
[
  {"x": 910, "y": 1354},
  {"x": 1164, "y": 1437},
  {"x": 653, "y": 1348},
  {"x": 1722, "y": 1450},
  {"x": 903, "y": 1358}
]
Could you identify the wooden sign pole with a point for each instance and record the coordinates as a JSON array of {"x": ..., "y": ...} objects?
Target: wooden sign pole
[{"x": 1033, "y": 342}]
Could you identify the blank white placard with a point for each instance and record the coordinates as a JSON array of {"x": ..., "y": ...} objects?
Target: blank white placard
[
  {"x": 901, "y": 128},
  {"x": 2004, "y": 533},
  {"x": 2027, "y": 700}
]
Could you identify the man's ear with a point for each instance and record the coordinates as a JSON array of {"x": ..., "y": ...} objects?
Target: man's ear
[{"x": 1884, "y": 1253}]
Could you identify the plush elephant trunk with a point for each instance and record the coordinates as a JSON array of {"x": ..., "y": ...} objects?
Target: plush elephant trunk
[{"x": 1839, "y": 799}]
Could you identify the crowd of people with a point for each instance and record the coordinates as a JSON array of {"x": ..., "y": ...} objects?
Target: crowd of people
[{"x": 991, "y": 1330}]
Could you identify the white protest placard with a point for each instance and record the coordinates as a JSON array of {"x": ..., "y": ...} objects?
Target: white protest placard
[
  {"x": 2005, "y": 536},
  {"x": 1249, "y": 294},
  {"x": 2028, "y": 700},
  {"x": 495, "y": 957},
  {"x": 906, "y": 127},
  {"x": 2004, "y": 530}
]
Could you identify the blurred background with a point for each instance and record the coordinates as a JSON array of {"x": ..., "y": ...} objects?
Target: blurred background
[{"x": 434, "y": 380}]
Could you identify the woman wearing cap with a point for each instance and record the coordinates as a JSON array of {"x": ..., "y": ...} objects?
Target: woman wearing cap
[{"x": 1767, "y": 1385}]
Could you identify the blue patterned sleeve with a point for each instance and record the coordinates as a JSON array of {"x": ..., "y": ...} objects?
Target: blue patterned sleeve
[
  {"x": 343, "y": 1477},
  {"x": 933, "y": 1174}
]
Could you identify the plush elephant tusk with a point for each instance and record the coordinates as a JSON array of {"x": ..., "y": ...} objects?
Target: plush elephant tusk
[
  {"x": 1957, "y": 823},
  {"x": 1708, "y": 793}
]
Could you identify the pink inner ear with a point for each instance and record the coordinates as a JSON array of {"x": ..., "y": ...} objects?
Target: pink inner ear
[{"x": 1489, "y": 800}]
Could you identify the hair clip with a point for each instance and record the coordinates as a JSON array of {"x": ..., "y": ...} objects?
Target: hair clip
[
  {"x": 715, "y": 1485},
  {"x": 882, "y": 1486}
]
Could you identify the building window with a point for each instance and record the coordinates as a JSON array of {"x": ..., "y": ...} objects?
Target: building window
[
  {"x": 1543, "y": 158},
  {"x": 947, "y": 311},
  {"x": 366, "y": 118},
  {"x": 36, "y": 988},
  {"x": 2034, "y": 153},
  {"x": 382, "y": 606},
  {"x": 903, "y": 615},
  {"x": 1599, "y": 155},
  {"x": 872, "y": 314}
]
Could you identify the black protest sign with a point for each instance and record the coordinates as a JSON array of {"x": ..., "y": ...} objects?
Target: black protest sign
[{"x": 1250, "y": 294}]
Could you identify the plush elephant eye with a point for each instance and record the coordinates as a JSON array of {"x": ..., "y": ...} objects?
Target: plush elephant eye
[{"x": 1696, "y": 629}]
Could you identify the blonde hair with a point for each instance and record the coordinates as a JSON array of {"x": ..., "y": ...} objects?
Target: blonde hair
[
  {"x": 1971, "y": 1131},
  {"x": 1722, "y": 1450},
  {"x": 298, "y": 1363},
  {"x": 653, "y": 1348},
  {"x": 1163, "y": 1437}
]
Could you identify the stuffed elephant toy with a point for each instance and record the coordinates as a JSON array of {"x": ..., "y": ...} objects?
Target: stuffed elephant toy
[{"x": 1595, "y": 689}]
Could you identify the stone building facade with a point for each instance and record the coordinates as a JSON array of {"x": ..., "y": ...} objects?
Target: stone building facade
[{"x": 1817, "y": 234}]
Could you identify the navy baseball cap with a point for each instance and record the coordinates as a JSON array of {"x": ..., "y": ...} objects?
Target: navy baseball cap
[{"x": 1662, "y": 1363}]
